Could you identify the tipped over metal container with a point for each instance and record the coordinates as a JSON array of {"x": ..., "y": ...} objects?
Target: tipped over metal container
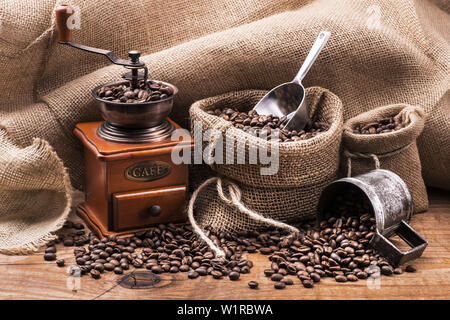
[{"x": 391, "y": 204}]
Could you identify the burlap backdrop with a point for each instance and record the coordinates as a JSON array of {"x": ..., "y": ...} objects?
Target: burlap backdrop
[
  {"x": 396, "y": 151},
  {"x": 290, "y": 194},
  {"x": 381, "y": 52}
]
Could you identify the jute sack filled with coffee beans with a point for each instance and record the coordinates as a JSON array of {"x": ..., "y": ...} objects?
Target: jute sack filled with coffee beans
[
  {"x": 244, "y": 196},
  {"x": 386, "y": 138}
]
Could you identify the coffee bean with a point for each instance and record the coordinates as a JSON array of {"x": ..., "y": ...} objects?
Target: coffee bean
[
  {"x": 51, "y": 249},
  {"x": 387, "y": 270},
  {"x": 99, "y": 267},
  {"x": 411, "y": 268},
  {"x": 315, "y": 277},
  {"x": 184, "y": 268},
  {"x": 118, "y": 270},
  {"x": 234, "y": 275},
  {"x": 265, "y": 251},
  {"x": 193, "y": 274},
  {"x": 95, "y": 274},
  {"x": 287, "y": 281},
  {"x": 307, "y": 283},
  {"x": 68, "y": 242},
  {"x": 253, "y": 284},
  {"x": 60, "y": 263},
  {"x": 361, "y": 275},
  {"x": 78, "y": 226},
  {"x": 216, "y": 274},
  {"x": 340, "y": 278},
  {"x": 398, "y": 271},
  {"x": 352, "y": 277},
  {"x": 276, "y": 277},
  {"x": 108, "y": 266},
  {"x": 280, "y": 285},
  {"x": 268, "y": 272}
]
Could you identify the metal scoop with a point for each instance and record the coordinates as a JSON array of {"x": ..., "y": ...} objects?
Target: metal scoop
[{"x": 288, "y": 99}]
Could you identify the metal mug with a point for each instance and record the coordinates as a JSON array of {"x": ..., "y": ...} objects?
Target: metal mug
[{"x": 392, "y": 206}]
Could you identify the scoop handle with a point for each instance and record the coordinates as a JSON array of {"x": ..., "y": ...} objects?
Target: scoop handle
[
  {"x": 63, "y": 12},
  {"x": 312, "y": 55}
]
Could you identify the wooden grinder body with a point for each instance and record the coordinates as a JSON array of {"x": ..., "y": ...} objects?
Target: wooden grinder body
[{"x": 129, "y": 187}]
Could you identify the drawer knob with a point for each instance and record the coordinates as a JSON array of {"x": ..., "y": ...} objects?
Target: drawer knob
[{"x": 154, "y": 210}]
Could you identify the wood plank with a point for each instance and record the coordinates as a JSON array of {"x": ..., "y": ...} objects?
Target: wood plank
[{"x": 30, "y": 277}]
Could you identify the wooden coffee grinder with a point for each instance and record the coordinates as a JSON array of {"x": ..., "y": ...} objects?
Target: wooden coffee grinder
[{"x": 131, "y": 182}]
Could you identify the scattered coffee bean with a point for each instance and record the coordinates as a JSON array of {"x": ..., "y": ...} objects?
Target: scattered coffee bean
[
  {"x": 234, "y": 275},
  {"x": 340, "y": 278},
  {"x": 50, "y": 256},
  {"x": 307, "y": 283},
  {"x": 279, "y": 285},
  {"x": 95, "y": 274},
  {"x": 276, "y": 277},
  {"x": 78, "y": 226},
  {"x": 253, "y": 284},
  {"x": 51, "y": 249},
  {"x": 387, "y": 270},
  {"x": 337, "y": 247},
  {"x": 68, "y": 242},
  {"x": 398, "y": 271},
  {"x": 193, "y": 275},
  {"x": 60, "y": 263},
  {"x": 411, "y": 268}
]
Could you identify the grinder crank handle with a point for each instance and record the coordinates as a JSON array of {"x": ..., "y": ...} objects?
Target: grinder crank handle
[{"x": 63, "y": 12}]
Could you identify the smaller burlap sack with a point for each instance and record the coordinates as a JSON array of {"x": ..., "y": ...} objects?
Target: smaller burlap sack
[
  {"x": 395, "y": 151},
  {"x": 239, "y": 198}
]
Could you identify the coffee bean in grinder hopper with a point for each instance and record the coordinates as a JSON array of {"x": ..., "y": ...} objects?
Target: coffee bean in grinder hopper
[{"x": 131, "y": 181}]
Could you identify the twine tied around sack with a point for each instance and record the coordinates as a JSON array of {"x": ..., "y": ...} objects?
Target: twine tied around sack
[
  {"x": 375, "y": 157},
  {"x": 234, "y": 199}
]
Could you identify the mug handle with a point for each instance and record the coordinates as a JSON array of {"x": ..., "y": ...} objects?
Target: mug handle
[{"x": 393, "y": 254}]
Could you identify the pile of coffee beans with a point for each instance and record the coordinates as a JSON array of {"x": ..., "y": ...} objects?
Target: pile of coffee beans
[
  {"x": 268, "y": 125},
  {"x": 166, "y": 248},
  {"x": 337, "y": 247},
  {"x": 153, "y": 91},
  {"x": 383, "y": 125}
]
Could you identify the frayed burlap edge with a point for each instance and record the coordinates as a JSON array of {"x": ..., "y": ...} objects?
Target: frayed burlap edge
[{"x": 33, "y": 246}]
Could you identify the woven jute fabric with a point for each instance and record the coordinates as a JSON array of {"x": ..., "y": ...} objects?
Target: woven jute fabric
[
  {"x": 35, "y": 195},
  {"x": 289, "y": 195},
  {"x": 381, "y": 52},
  {"x": 395, "y": 151}
]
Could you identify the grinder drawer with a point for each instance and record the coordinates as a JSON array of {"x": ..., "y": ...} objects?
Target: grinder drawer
[{"x": 137, "y": 209}]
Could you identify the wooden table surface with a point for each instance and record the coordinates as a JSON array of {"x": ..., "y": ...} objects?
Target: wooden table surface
[{"x": 30, "y": 277}]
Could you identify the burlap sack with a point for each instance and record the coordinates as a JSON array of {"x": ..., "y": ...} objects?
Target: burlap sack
[
  {"x": 380, "y": 52},
  {"x": 395, "y": 151},
  {"x": 35, "y": 195},
  {"x": 291, "y": 194}
]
